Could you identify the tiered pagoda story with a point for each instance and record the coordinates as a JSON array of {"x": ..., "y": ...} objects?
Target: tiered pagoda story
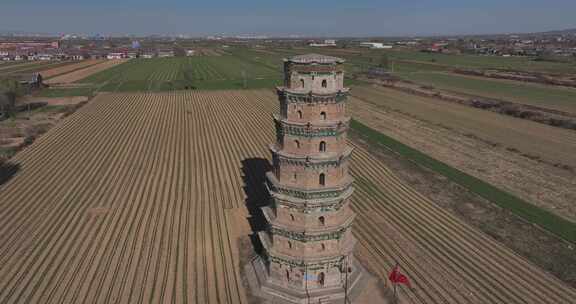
[{"x": 308, "y": 245}]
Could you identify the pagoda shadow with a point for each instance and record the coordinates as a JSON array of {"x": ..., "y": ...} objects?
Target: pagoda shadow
[
  {"x": 254, "y": 176},
  {"x": 7, "y": 171}
]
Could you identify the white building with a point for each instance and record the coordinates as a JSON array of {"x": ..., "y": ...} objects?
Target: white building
[
  {"x": 115, "y": 56},
  {"x": 327, "y": 42},
  {"x": 45, "y": 57},
  {"x": 375, "y": 45}
]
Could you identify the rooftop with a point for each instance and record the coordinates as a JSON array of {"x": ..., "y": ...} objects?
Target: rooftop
[{"x": 314, "y": 58}]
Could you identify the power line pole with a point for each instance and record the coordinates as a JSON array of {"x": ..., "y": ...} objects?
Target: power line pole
[
  {"x": 244, "y": 82},
  {"x": 346, "y": 282}
]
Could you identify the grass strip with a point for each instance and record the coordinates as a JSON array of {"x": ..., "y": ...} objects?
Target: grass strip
[{"x": 529, "y": 212}]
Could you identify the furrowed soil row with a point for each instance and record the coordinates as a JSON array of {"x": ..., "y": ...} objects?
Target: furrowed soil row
[
  {"x": 82, "y": 266},
  {"x": 110, "y": 191},
  {"x": 128, "y": 211},
  {"x": 34, "y": 196},
  {"x": 126, "y": 201},
  {"x": 453, "y": 229},
  {"x": 221, "y": 198},
  {"x": 78, "y": 182}
]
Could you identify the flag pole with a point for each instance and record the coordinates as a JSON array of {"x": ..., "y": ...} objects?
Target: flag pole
[
  {"x": 395, "y": 293},
  {"x": 396, "y": 269}
]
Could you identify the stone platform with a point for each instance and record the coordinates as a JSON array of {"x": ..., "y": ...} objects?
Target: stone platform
[{"x": 265, "y": 289}]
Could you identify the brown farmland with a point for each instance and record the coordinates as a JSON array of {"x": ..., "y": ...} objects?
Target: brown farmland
[
  {"x": 523, "y": 157},
  {"x": 69, "y": 68},
  {"x": 138, "y": 198},
  {"x": 83, "y": 73}
]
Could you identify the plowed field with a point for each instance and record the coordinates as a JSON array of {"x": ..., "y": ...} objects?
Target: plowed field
[
  {"x": 78, "y": 74},
  {"x": 128, "y": 201}
]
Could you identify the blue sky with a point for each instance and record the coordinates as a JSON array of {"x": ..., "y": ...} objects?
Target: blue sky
[{"x": 273, "y": 17}]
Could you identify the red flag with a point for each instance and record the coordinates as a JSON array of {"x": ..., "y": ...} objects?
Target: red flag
[{"x": 397, "y": 277}]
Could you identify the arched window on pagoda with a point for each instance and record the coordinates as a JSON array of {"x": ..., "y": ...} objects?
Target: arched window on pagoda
[
  {"x": 299, "y": 114},
  {"x": 322, "y": 147},
  {"x": 322, "y": 220},
  {"x": 322, "y": 247},
  {"x": 323, "y": 115},
  {"x": 289, "y": 245},
  {"x": 292, "y": 217},
  {"x": 297, "y": 144},
  {"x": 302, "y": 83},
  {"x": 322, "y": 179},
  {"x": 324, "y": 83}
]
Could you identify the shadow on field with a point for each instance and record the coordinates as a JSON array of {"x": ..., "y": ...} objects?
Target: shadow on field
[
  {"x": 7, "y": 171},
  {"x": 254, "y": 174}
]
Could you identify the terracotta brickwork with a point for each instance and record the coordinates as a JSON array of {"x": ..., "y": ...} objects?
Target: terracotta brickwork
[
  {"x": 300, "y": 145},
  {"x": 312, "y": 221},
  {"x": 308, "y": 246},
  {"x": 301, "y": 176},
  {"x": 303, "y": 112}
]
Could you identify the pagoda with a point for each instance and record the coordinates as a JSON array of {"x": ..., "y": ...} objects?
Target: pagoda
[{"x": 308, "y": 244}]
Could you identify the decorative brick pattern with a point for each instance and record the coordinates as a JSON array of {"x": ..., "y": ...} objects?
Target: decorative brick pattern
[{"x": 308, "y": 244}]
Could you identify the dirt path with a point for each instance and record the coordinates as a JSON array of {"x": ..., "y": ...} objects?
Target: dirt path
[{"x": 139, "y": 198}]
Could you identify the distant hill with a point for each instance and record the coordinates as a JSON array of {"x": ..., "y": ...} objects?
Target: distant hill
[{"x": 562, "y": 32}]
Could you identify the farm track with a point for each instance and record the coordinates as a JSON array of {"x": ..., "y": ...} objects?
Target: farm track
[{"x": 126, "y": 202}]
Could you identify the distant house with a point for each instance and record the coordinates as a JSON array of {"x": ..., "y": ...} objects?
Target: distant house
[
  {"x": 111, "y": 56},
  {"x": 45, "y": 57},
  {"x": 78, "y": 56},
  {"x": 327, "y": 42},
  {"x": 165, "y": 53},
  {"x": 97, "y": 55},
  {"x": 190, "y": 53},
  {"x": 375, "y": 45}
]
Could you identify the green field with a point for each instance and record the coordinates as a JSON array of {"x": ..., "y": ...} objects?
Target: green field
[
  {"x": 82, "y": 91},
  {"x": 563, "y": 99},
  {"x": 485, "y": 62},
  {"x": 181, "y": 73},
  {"x": 433, "y": 69}
]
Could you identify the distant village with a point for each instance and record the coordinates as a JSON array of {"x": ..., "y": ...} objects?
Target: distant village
[
  {"x": 57, "y": 50},
  {"x": 562, "y": 44}
]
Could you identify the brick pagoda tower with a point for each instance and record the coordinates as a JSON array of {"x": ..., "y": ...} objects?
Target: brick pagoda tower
[{"x": 308, "y": 245}]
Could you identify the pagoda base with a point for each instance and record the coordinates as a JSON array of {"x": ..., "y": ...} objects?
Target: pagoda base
[{"x": 262, "y": 286}]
